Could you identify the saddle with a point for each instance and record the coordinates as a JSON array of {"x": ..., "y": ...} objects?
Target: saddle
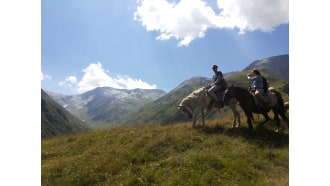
[
  {"x": 261, "y": 105},
  {"x": 220, "y": 94}
]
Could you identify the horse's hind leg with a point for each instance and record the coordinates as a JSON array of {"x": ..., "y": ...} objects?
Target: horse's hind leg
[
  {"x": 277, "y": 119},
  {"x": 284, "y": 117}
]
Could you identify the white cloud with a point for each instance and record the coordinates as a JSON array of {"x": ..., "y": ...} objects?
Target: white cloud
[
  {"x": 70, "y": 81},
  {"x": 190, "y": 19},
  {"x": 95, "y": 76},
  {"x": 45, "y": 76},
  {"x": 129, "y": 83},
  {"x": 253, "y": 15}
]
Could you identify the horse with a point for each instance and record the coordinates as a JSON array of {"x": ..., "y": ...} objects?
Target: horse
[
  {"x": 197, "y": 103},
  {"x": 247, "y": 102}
]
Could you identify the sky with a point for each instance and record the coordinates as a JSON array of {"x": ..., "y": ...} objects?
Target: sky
[{"x": 154, "y": 43}]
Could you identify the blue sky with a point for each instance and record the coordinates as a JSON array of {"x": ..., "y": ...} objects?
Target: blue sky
[{"x": 154, "y": 43}]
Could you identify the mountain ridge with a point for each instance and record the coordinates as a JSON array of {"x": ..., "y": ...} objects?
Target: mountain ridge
[
  {"x": 106, "y": 104},
  {"x": 109, "y": 106},
  {"x": 277, "y": 64}
]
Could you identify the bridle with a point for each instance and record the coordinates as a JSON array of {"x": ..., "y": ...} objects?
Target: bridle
[{"x": 188, "y": 111}]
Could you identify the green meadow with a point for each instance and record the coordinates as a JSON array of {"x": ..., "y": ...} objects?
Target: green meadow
[{"x": 176, "y": 154}]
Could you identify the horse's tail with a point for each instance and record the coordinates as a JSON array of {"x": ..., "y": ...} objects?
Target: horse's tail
[{"x": 280, "y": 102}]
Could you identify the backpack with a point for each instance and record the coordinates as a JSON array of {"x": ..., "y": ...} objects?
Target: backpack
[{"x": 265, "y": 83}]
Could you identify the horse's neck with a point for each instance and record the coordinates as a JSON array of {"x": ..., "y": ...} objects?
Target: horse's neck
[{"x": 242, "y": 94}]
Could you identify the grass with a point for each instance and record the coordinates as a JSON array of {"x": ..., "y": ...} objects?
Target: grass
[{"x": 169, "y": 155}]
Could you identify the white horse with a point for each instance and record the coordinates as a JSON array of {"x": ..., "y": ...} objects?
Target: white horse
[{"x": 197, "y": 102}]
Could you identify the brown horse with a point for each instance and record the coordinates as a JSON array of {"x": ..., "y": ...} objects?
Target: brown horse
[{"x": 247, "y": 103}]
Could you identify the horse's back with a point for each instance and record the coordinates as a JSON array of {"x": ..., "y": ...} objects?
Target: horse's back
[
  {"x": 195, "y": 97},
  {"x": 274, "y": 95},
  {"x": 273, "y": 91}
]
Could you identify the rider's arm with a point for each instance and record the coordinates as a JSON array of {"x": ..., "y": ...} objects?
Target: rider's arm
[{"x": 251, "y": 77}]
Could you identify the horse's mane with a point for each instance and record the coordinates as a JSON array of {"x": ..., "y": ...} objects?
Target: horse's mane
[{"x": 196, "y": 93}]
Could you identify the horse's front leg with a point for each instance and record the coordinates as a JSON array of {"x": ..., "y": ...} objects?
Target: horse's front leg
[
  {"x": 237, "y": 119},
  {"x": 194, "y": 121},
  {"x": 267, "y": 118},
  {"x": 194, "y": 117},
  {"x": 249, "y": 118},
  {"x": 203, "y": 121}
]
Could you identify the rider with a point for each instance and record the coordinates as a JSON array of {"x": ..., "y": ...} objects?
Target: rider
[
  {"x": 216, "y": 86},
  {"x": 258, "y": 86}
]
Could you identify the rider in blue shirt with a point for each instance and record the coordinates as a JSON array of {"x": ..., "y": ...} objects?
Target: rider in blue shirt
[{"x": 216, "y": 85}]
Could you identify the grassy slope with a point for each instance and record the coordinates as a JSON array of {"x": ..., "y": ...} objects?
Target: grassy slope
[{"x": 169, "y": 155}]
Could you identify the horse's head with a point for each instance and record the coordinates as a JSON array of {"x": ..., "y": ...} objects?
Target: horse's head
[
  {"x": 228, "y": 94},
  {"x": 185, "y": 109},
  {"x": 193, "y": 100}
]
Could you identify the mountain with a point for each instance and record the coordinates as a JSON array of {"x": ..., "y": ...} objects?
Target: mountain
[
  {"x": 276, "y": 64},
  {"x": 55, "y": 120},
  {"x": 106, "y": 104}
]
